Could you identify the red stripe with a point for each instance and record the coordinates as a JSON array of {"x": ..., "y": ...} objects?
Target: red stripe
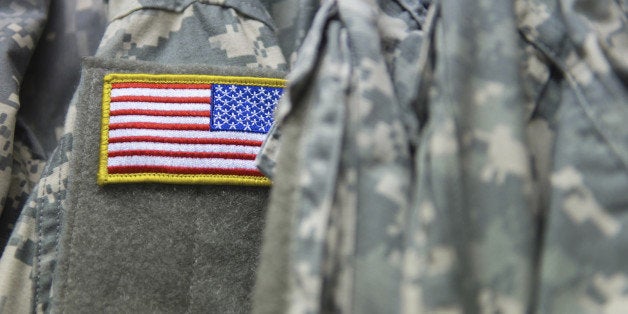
[
  {"x": 184, "y": 140},
  {"x": 144, "y": 112},
  {"x": 162, "y": 99},
  {"x": 183, "y": 170},
  {"x": 160, "y": 85},
  {"x": 159, "y": 126},
  {"x": 162, "y": 153}
]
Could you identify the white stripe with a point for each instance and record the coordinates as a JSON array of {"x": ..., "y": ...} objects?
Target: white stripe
[
  {"x": 117, "y": 92},
  {"x": 158, "y": 119},
  {"x": 181, "y": 162},
  {"x": 123, "y": 105},
  {"x": 187, "y": 134},
  {"x": 115, "y": 147}
]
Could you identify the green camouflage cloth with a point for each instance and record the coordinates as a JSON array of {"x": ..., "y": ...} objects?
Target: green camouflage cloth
[{"x": 466, "y": 158}]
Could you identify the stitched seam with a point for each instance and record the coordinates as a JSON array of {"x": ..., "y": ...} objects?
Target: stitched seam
[
  {"x": 413, "y": 14},
  {"x": 38, "y": 259},
  {"x": 182, "y": 177},
  {"x": 104, "y": 131},
  {"x": 58, "y": 231},
  {"x": 173, "y": 10},
  {"x": 226, "y": 5},
  {"x": 70, "y": 222},
  {"x": 191, "y": 179},
  {"x": 194, "y": 78}
]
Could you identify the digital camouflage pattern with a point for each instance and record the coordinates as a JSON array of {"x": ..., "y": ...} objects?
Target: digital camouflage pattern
[
  {"x": 227, "y": 33},
  {"x": 582, "y": 265},
  {"x": 480, "y": 167},
  {"x": 21, "y": 25},
  {"x": 441, "y": 156},
  {"x": 36, "y": 33}
]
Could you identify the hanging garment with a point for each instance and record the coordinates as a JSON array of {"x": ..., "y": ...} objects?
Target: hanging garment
[{"x": 470, "y": 157}]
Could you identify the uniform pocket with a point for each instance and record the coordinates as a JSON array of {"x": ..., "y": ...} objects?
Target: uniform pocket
[{"x": 220, "y": 33}]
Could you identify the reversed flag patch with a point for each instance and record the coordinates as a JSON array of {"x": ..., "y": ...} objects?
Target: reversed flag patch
[{"x": 189, "y": 129}]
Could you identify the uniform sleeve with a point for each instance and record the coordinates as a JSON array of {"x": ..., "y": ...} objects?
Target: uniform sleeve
[
  {"x": 155, "y": 246},
  {"x": 21, "y": 25},
  {"x": 42, "y": 46}
]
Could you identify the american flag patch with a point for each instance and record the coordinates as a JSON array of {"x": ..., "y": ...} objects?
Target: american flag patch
[{"x": 191, "y": 129}]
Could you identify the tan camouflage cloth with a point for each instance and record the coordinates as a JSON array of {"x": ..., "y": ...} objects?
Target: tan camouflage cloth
[{"x": 428, "y": 156}]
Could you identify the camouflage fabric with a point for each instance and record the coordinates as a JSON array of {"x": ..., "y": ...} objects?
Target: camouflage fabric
[
  {"x": 21, "y": 25},
  {"x": 16, "y": 285},
  {"x": 429, "y": 156},
  {"x": 584, "y": 45},
  {"x": 36, "y": 193},
  {"x": 465, "y": 158},
  {"x": 292, "y": 20},
  {"x": 236, "y": 34}
]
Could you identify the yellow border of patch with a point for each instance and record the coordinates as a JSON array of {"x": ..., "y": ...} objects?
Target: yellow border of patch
[{"x": 104, "y": 177}]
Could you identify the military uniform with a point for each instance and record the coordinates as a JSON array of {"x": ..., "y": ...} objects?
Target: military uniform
[
  {"x": 427, "y": 156},
  {"x": 41, "y": 47},
  {"x": 453, "y": 157},
  {"x": 181, "y": 238}
]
